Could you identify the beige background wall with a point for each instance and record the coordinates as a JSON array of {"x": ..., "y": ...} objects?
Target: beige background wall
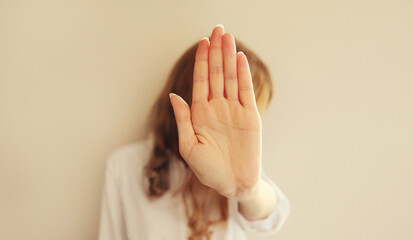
[{"x": 77, "y": 79}]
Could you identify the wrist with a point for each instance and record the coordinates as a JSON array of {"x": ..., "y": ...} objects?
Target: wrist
[
  {"x": 254, "y": 193},
  {"x": 260, "y": 203}
]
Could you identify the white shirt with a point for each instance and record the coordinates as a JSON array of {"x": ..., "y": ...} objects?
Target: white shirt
[{"x": 126, "y": 213}]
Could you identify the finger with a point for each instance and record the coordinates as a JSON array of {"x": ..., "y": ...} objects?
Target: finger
[
  {"x": 230, "y": 67},
  {"x": 246, "y": 90},
  {"x": 186, "y": 134},
  {"x": 216, "y": 73},
  {"x": 201, "y": 87}
]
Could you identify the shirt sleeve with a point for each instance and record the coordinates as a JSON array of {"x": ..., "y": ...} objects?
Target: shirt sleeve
[
  {"x": 111, "y": 217},
  {"x": 270, "y": 224}
]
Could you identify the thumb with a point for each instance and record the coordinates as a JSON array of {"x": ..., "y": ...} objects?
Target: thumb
[{"x": 186, "y": 132}]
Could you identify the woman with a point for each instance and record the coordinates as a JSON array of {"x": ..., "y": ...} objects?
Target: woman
[{"x": 198, "y": 174}]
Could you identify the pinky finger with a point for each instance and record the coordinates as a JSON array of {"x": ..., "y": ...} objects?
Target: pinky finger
[{"x": 245, "y": 89}]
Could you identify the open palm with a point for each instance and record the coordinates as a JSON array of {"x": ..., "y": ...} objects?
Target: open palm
[{"x": 220, "y": 135}]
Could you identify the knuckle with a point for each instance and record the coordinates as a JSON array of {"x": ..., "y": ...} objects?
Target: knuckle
[
  {"x": 245, "y": 88},
  {"x": 216, "y": 70},
  {"x": 231, "y": 76},
  {"x": 200, "y": 78}
]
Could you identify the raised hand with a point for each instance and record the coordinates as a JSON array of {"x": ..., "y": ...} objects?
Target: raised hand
[{"x": 220, "y": 135}]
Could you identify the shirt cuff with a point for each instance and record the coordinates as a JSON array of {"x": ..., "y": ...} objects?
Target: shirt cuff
[{"x": 270, "y": 224}]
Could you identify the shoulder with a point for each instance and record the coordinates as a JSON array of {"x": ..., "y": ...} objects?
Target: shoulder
[{"x": 129, "y": 158}]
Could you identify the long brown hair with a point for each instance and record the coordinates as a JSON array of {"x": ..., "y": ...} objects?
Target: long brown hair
[{"x": 161, "y": 125}]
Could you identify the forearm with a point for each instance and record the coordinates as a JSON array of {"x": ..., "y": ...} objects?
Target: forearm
[{"x": 261, "y": 203}]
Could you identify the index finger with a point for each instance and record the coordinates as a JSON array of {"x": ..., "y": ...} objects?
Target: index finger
[{"x": 200, "y": 80}]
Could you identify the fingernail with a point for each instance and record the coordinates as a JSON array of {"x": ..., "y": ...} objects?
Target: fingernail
[
  {"x": 220, "y": 25},
  {"x": 204, "y": 38}
]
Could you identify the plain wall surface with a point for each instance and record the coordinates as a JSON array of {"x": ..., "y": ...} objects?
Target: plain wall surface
[{"x": 77, "y": 79}]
